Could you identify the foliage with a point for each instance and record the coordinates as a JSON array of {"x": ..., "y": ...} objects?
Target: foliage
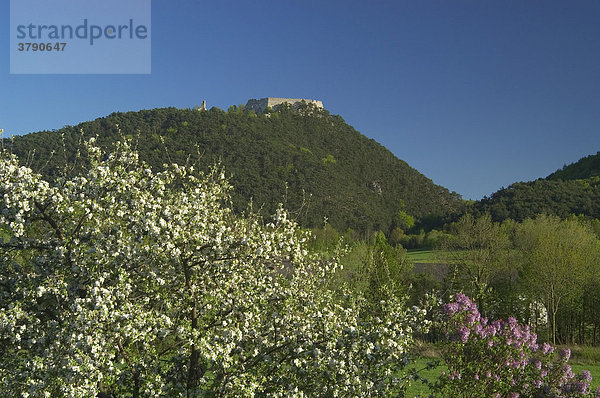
[
  {"x": 502, "y": 359},
  {"x": 387, "y": 269},
  {"x": 476, "y": 253},
  {"x": 130, "y": 282},
  {"x": 314, "y": 162},
  {"x": 414, "y": 241},
  {"x": 404, "y": 220},
  {"x": 524, "y": 200},
  {"x": 543, "y": 271},
  {"x": 575, "y": 189},
  {"x": 585, "y": 167},
  {"x": 558, "y": 256},
  {"x": 375, "y": 270},
  {"x": 324, "y": 239}
]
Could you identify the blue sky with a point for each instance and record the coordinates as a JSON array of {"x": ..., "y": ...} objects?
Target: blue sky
[{"x": 475, "y": 94}]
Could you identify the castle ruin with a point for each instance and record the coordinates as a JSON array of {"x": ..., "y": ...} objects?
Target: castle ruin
[{"x": 261, "y": 105}]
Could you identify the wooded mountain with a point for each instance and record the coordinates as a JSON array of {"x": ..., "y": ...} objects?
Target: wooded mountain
[
  {"x": 313, "y": 162},
  {"x": 574, "y": 189}
]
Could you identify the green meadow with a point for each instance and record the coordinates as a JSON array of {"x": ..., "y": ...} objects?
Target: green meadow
[{"x": 424, "y": 256}]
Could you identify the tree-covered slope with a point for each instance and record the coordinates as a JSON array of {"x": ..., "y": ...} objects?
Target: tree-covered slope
[
  {"x": 574, "y": 189},
  {"x": 527, "y": 199},
  {"x": 313, "y": 162},
  {"x": 585, "y": 167}
]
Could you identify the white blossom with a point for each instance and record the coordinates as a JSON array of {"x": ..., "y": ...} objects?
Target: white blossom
[{"x": 127, "y": 277}]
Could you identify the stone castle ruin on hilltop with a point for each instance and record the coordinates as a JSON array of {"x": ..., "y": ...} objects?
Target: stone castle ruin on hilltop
[{"x": 261, "y": 105}]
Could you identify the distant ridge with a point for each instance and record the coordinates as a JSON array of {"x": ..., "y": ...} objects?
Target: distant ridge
[{"x": 574, "y": 189}]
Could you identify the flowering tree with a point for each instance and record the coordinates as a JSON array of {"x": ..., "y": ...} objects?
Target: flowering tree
[
  {"x": 503, "y": 359},
  {"x": 128, "y": 282}
]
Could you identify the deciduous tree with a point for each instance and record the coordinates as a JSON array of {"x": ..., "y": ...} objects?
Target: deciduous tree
[
  {"x": 136, "y": 283},
  {"x": 476, "y": 252},
  {"x": 558, "y": 255}
]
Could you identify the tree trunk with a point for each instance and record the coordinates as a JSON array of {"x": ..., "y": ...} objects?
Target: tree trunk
[
  {"x": 136, "y": 384},
  {"x": 553, "y": 324},
  {"x": 192, "y": 376}
]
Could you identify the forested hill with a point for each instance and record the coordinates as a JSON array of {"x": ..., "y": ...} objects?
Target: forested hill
[
  {"x": 527, "y": 199},
  {"x": 313, "y": 162},
  {"x": 586, "y": 167},
  {"x": 574, "y": 189}
]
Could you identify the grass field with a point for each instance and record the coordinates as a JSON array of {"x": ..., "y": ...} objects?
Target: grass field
[
  {"x": 422, "y": 256},
  {"x": 418, "y": 388},
  {"x": 428, "y": 256}
]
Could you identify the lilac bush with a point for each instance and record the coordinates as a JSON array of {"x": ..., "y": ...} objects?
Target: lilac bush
[{"x": 503, "y": 359}]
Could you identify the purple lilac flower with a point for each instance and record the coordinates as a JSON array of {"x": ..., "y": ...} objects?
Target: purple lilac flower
[
  {"x": 533, "y": 345},
  {"x": 451, "y": 309},
  {"x": 472, "y": 318},
  {"x": 565, "y": 354},
  {"x": 580, "y": 387},
  {"x": 518, "y": 344},
  {"x": 464, "y": 334},
  {"x": 567, "y": 372},
  {"x": 547, "y": 348}
]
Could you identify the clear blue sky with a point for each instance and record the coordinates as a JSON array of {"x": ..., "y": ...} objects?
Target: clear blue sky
[{"x": 474, "y": 94}]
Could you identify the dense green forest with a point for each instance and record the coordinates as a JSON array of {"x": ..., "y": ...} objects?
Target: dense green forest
[
  {"x": 321, "y": 168},
  {"x": 527, "y": 199},
  {"x": 315, "y": 163},
  {"x": 574, "y": 189}
]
